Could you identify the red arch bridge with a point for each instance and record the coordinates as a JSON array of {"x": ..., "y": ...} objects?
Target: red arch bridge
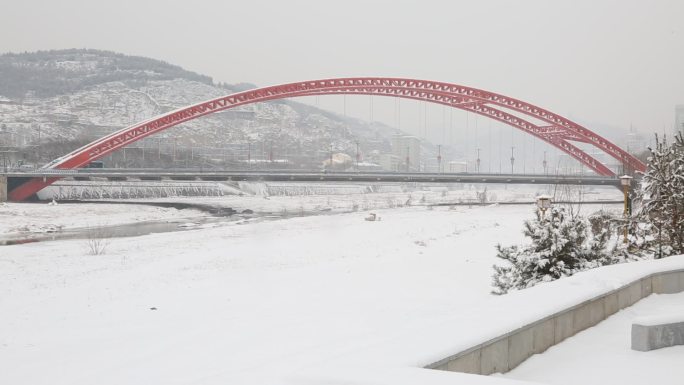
[{"x": 553, "y": 129}]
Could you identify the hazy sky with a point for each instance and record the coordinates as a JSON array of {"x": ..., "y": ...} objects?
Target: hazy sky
[{"x": 609, "y": 62}]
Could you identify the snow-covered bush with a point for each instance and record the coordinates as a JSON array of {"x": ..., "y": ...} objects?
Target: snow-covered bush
[
  {"x": 98, "y": 240},
  {"x": 662, "y": 197},
  {"x": 561, "y": 245}
]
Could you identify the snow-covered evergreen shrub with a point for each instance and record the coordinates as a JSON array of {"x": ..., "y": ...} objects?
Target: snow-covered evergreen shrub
[
  {"x": 561, "y": 244},
  {"x": 662, "y": 197}
]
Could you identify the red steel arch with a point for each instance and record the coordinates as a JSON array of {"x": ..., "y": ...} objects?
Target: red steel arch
[{"x": 555, "y": 130}]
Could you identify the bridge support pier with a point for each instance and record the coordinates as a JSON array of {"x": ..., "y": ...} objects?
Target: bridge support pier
[{"x": 3, "y": 189}]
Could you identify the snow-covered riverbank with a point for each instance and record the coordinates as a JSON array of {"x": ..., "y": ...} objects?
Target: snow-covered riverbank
[
  {"x": 46, "y": 217},
  {"x": 255, "y": 303}
]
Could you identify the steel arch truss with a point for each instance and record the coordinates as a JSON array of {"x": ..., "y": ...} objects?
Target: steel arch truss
[{"x": 555, "y": 130}]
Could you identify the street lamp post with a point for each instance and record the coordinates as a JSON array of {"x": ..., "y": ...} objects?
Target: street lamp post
[
  {"x": 625, "y": 181},
  {"x": 543, "y": 203}
]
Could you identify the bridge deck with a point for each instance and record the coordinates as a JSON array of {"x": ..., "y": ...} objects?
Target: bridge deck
[{"x": 309, "y": 176}]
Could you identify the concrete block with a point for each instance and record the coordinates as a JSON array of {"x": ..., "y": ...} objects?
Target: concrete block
[
  {"x": 581, "y": 318},
  {"x": 646, "y": 287},
  {"x": 467, "y": 363},
  {"x": 494, "y": 357},
  {"x": 520, "y": 347},
  {"x": 650, "y": 337},
  {"x": 667, "y": 283},
  {"x": 610, "y": 304},
  {"x": 563, "y": 326},
  {"x": 544, "y": 335},
  {"x": 444, "y": 367}
]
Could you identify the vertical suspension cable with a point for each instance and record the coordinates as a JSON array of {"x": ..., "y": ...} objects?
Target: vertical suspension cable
[
  {"x": 425, "y": 118},
  {"x": 489, "y": 150},
  {"x": 344, "y": 104},
  {"x": 396, "y": 113},
  {"x": 534, "y": 156},
  {"x": 451, "y": 126},
  {"x": 420, "y": 122},
  {"x": 371, "y": 108},
  {"x": 465, "y": 139},
  {"x": 524, "y": 154},
  {"x": 512, "y": 146},
  {"x": 477, "y": 134},
  {"x": 500, "y": 148},
  {"x": 443, "y": 124}
]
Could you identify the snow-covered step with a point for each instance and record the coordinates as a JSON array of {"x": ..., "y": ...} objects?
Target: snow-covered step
[{"x": 656, "y": 332}]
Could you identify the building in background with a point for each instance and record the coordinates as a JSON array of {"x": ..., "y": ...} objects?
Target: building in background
[
  {"x": 390, "y": 162},
  {"x": 635, "y": 142},
  {"x": 456, "y": 166},
  {"x": 679, "y": 118}
]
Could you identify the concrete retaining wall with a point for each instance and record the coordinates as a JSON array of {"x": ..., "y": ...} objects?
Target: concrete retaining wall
[{"x": 505, "y": 352}]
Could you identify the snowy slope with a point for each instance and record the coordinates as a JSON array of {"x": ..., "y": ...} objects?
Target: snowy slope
[{"x": 84, "y": 94}]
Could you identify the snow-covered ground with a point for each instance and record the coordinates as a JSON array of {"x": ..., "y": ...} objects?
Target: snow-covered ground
[
  {"x": 45, "y": 217},
  {"x": 602, "y": 354},
  {"x": 309, "y": 300}
]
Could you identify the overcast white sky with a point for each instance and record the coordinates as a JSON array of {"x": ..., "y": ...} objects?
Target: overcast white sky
[{"x": 610, "y": 62}]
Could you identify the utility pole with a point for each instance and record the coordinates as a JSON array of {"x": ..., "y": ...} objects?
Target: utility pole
[
  {"x": 512, "y": 159},
  {"x": 544, "y": 164},
  {"x": 478, "y": 161},
  {"x": 439, "y": 158},
  {"x": 358, "y": 156},
  {"x": 331, "y": 156}
]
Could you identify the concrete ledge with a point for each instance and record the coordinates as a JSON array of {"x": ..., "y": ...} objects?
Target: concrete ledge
[
  {"x": 505, "y": 352},
  {"x": 655, "y": 335}
]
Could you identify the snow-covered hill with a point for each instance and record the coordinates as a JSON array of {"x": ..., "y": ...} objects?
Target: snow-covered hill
[{"x": 79, "y": 95}]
